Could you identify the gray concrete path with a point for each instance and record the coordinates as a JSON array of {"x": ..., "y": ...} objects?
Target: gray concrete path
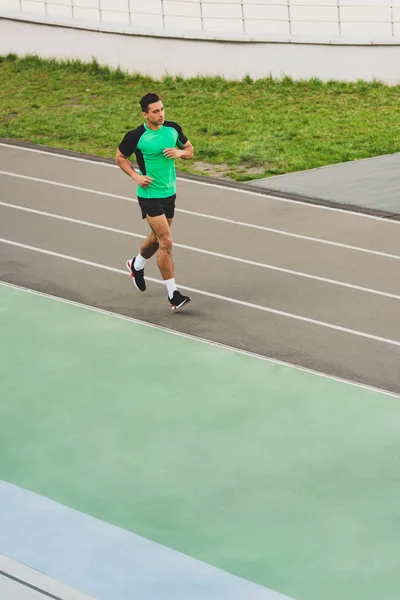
[
  {"x": 372, "y": 184},
  {"x": 309, "y": 285}
]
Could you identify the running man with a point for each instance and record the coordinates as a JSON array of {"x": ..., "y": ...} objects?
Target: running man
[{"x": 156, "y": 144}]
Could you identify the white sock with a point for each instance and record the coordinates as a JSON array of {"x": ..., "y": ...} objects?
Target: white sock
[
  {"x": 171, "y": 286},
  {"x": 139, "y": 262}
]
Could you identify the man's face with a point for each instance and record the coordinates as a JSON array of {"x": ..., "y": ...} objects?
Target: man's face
[{"x": 155, "y": 113}]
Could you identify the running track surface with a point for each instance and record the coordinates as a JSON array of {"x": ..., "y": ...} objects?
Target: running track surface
[
  {"x": 279, "y": 476},
  {"x": 312, "y": 286}
]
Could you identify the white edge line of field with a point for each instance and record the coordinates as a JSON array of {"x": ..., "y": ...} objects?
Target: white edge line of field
[
  {"x": 34, "y": 581},
  {"x": 202, "y": 340},
  {"x": 212, "y": 217},
  {"x": 267, "y": 309},
  {"x": 207, "y": 252},
  {"x": 234, "y": 189}
]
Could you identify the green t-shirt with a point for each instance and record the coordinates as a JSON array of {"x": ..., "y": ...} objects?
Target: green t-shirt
[{"x": 148, "y": 146}]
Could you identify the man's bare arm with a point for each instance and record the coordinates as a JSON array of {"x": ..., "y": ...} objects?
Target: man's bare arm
[
  {"x": 125, "y": 164},
  {"x": 186, "y": 152}
]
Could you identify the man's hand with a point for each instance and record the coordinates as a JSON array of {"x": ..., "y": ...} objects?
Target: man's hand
[
  {"x": 143, "y": 180},
  {"x": 122, "y": 161},
  {"x": 173, "y": 153}
]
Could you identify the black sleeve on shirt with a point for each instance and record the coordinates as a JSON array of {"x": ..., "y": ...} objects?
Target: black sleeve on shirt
[
  {"x": 131, "y": 140},
  {"x": 182, "y": 139}
]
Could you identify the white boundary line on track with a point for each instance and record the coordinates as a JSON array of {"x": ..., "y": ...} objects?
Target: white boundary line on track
[
  {"x": 266, "y": 309},
  {"x": 207, "y": 252},
  {"x": 233, "y": 189},
  {"x": 202, "y": 340},
  {"x": 212, "y": 217}
]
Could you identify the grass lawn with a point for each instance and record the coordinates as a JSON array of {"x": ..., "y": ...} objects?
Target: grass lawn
[{"x": 240, "y": 129}]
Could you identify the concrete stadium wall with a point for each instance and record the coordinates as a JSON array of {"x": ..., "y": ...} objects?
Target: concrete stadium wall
[
  {"x": 158, "y": 54},
  {"x": 346, "y": 18}
]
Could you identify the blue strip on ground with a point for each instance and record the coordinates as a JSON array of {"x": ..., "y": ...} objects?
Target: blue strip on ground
[{"x": 106, "y": 561}]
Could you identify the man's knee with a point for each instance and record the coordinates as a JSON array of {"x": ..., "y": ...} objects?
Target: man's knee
[{"x": 165, "y": 242}]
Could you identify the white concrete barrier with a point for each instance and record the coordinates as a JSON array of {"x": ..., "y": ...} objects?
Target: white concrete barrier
[{"x": 157, "y": 50}]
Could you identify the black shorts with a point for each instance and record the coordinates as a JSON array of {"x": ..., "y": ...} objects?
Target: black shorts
[{"x": 155, "y": 207}]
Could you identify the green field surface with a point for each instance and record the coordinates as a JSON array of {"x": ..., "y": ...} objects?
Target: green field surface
[
  {"x": 281, "y": 476},
  {"x": 241, "y": 130}
]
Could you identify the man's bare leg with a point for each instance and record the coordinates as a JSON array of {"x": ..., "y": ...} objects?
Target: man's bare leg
[
  {"x": 149, "y": 246},
  {"x": 136, "y": 266},
  {"x": 161, "y": 227}
]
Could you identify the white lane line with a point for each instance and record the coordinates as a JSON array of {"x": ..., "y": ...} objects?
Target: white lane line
[
  {"x": 214, "y": 218},
  {"x": 292, "y": 235},
  {"x": 210, "y": 295},
  {"x": 208, "y": 252},
  {"x": 202, "y": 340},
  {"x": 213, "y": 185},
  {"x": 66, "y": 185}
]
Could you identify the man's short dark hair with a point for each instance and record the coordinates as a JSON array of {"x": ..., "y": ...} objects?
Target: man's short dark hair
[{"x": 148, "y": 99}]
